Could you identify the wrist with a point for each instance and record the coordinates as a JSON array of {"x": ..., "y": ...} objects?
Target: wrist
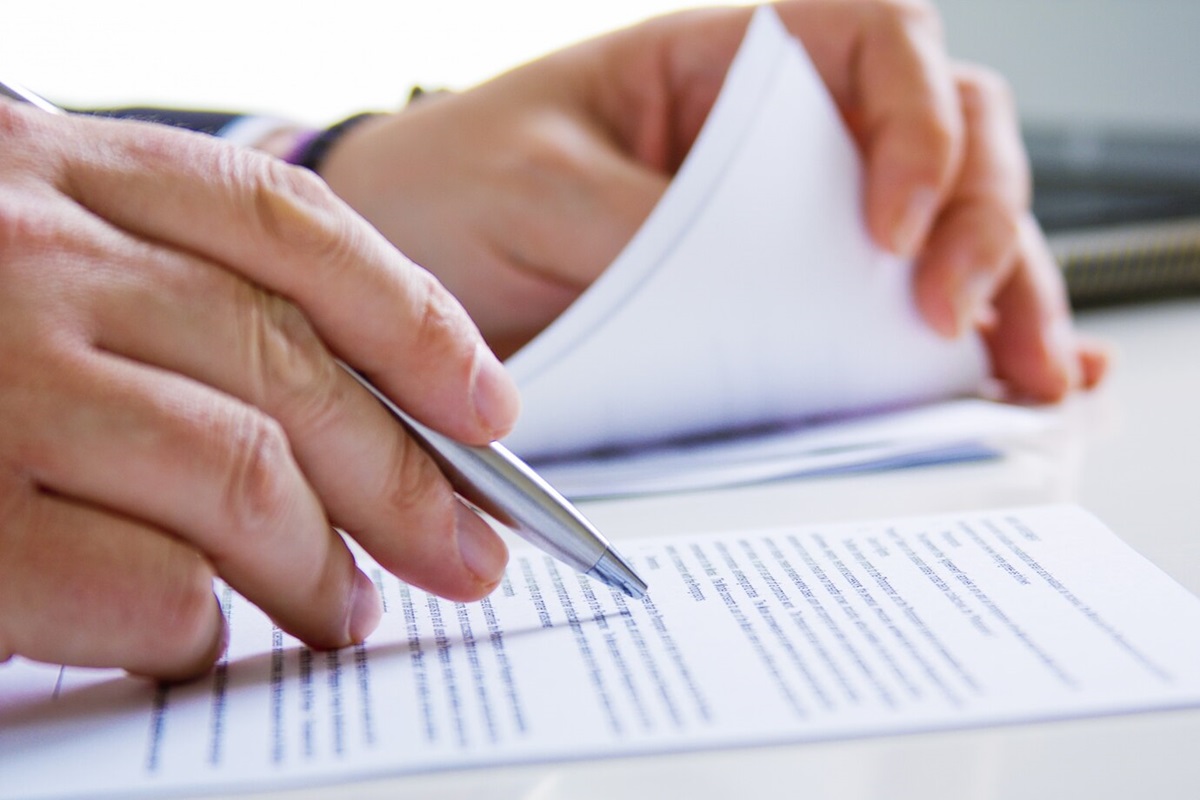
[
  {"x": 361, "y": 161},
  {"x": 310, "y": 148}
]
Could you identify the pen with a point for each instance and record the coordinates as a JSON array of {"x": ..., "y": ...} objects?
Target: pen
[{"x": 492, "y": 478}]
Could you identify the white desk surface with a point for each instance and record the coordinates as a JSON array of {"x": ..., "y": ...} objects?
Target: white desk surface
[{"x": 1130, "y": 452}]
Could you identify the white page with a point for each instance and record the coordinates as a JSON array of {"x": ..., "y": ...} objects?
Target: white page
[
  {"x": 753, "y": 293},
  {"x": 748, "y": 637},
  {"x": 955, "y": 430}
]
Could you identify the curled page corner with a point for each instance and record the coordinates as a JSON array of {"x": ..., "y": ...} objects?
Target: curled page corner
[{"x": 752, "y": 294}]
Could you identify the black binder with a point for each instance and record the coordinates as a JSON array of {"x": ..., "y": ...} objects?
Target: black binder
[{"x": 1121, "y": 211}]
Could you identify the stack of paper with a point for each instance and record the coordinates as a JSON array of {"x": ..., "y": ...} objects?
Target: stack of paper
[{"x": 753, "y": 295}]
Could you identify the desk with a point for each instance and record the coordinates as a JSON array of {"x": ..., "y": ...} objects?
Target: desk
[{"x": 1130, "y": 452}]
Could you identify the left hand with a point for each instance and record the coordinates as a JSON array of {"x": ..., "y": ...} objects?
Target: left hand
[{"x": 518, "y": 193}]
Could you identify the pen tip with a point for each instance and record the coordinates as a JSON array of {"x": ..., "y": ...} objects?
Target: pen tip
[{"x": 612, "y": 570}]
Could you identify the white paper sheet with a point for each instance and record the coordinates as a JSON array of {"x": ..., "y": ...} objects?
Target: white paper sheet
[
  {"x": 969, "y": 429},
  {"x": 753, "y": 293},
  {"x": 748, "y": 637}
]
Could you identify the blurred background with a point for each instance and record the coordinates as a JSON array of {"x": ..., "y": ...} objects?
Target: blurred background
[
  {"x": 1108, "y": 90},
  {"x": 1126, "y": 63}
]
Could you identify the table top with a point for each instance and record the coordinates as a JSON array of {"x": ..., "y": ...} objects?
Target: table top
[{"x": 1129, "y": 452}]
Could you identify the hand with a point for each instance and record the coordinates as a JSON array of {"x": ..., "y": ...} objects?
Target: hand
[
  {"x": 518, "y": 193},
  {"x": 169, "y": 311}
]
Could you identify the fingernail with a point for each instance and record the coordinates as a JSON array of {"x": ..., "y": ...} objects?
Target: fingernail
[
  {"x": 914, "y": 224},
  {"x": 220, "y": 640},
  {"x": 366, "y": 608},
  {"x": 943, "y": 317},
  {"x": 494, "y": 393},
  {"x": 1061, "y": 348},
  {"x": 482, "y": 550},
  {"x": 974, "y": 306}
]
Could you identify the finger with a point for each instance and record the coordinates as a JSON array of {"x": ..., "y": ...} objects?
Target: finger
[
  {"x": 98, "y": 590},
  {"x": 281, "y": 228},
  {"x": 659, "y": 79},
  {"x": 972, "y": 246},
  {"x": 217, "y": 473},
  {"x": 885, "y": 64},
  {"x": 1094, "y": 360},
  {"x": 1033, "y": 346},
  {"x": 375, "y": 482}
]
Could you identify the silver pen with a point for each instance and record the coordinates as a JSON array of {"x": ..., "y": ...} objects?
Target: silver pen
[{"x": 492, "y": 478}]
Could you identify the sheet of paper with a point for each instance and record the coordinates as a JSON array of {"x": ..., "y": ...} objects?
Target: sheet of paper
[
  {"x": 937, "y": 433},
  {"x": 753, "y": 293},
  {"x": 748, "y": 637}
]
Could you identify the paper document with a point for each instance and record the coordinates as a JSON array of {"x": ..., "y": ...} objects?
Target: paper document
[
  {"x": 753, "y": 294},
  {"x": 747, "y": 637},
  {"x": 969, "y": 429}
]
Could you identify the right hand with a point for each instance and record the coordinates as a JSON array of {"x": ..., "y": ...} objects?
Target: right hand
[{"x": 171, "y": 409}]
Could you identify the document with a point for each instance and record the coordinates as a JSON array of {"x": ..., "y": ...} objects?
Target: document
[
  {"x": 753, "y": 294},
  {"x": 969, "y": 429},
  {"x": 796, "y": 634}
]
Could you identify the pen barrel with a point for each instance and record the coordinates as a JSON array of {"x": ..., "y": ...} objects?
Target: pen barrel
[
  {"x": 15, "y": 91},
  {"x": 503, "y": 486},
  {"x": 500, "y": 484}
]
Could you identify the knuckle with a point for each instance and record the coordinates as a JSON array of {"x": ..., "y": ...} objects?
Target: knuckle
[
  {"x": 36, "y": 379},
  {"x": 287, "y": 360},
  {"x": 186, "y": 606},
  {"x": 412, "y": 481},
  {"x": 1007, "y": 222},
  {"x": 550, "y": 149},
  {"x": 934, "y": 147},
  {"x": 993, "y": 131},
  {"x": 996, "y": 234},
  {"x": 981, "y": 86},
  {"x": 941, "y": 138},
  {"x": 149, "y": 147},
  {"x": 293, "y": 207},
  {"x": 16, "y": 122},
  {"x": 257, "y": 494},
  {"x": 1006, "y": 235},
  {"x": 438, "y": 323},
  {"x": 23, "y": 232}
]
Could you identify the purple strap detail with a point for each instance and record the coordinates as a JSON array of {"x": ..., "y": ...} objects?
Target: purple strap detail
[
  {"x": 312, "y": 151},
  {"x": 301, "y": 147}
]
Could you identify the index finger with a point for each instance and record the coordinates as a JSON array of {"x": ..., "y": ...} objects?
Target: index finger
[
  {"x": 282, "y": 228},
  {"x": 885, "y": 65}
]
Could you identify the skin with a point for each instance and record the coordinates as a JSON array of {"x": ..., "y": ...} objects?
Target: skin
[
  {"x": 516, "y": 194},
  {"x": 170, "y": 308},
  {"x": 173, "y": 411}
]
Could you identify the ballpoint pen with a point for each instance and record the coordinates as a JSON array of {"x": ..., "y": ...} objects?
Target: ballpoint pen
[{"x": 492, "y": 478}]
